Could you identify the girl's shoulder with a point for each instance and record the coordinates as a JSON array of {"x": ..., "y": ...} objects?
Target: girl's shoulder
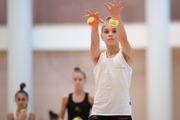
[
  {"x": 31, "y": 116},
  {"x": 90, "y": 95},
  {"x": 65, "y": 98},
  {"x": 10, "y": 116},
  {"x": 90, "y": 99},
  {"x": 102, "y": 54}
]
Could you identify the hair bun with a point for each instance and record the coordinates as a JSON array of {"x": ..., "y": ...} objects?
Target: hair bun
[
  {"x": 22, "y": 86},
  {"x": 108, "y": 18},
  {"x": 77, "y": 69}
]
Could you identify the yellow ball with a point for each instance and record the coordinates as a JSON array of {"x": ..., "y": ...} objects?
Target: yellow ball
[
  {"x": 22, "y": 110},
  {"x": 113, "y": 22},
  {"x": 75, "y": 118}
]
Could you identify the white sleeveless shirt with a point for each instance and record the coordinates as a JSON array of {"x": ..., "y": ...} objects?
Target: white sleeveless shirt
[
  {"x": 112, "y": 79},
  {"x": 15, "y": 115}
]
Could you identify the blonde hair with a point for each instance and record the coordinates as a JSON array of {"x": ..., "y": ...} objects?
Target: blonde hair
[{"x": 106, "y": 21}]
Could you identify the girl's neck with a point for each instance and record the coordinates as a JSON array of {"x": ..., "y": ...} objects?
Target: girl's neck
[
  {"x": 79, "y": 92},
  {"x": 112, "y": 50}
]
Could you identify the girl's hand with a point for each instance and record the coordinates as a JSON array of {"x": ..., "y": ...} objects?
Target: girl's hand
[
  {"x": 91, "y": 13},
  {"x": 114, "y": 8},
  {"x": 21, "y": 116}
]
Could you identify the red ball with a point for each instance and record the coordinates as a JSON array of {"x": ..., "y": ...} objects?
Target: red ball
[{"x": 91, "y": 21}]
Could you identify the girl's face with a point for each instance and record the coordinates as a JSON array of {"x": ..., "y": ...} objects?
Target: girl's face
[
  {"x": 78, "y": 80},
  {"x": 109, "y": 35},
  {"x": 21, "y": 100}
]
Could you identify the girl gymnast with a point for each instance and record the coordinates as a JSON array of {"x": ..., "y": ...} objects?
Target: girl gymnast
[
  {"x": 21, "y": 99},
  {"x": 112, "y": 68},
  {"x": 78, "y": 103}
]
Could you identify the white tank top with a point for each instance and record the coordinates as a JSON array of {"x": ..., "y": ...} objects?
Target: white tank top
[
  {"x": 112, "y": 79},
  {"x": 15, "y": 115}
]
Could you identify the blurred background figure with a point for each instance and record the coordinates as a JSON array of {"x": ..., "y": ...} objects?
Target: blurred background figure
[
  {"x": 21, "y": 99},
  {"x": 79, "y": 102}
]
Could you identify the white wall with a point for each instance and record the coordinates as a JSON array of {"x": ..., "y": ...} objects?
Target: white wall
[{"x": 77, "y": 36}]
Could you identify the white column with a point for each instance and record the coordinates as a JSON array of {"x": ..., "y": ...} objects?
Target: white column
[
  {"x": 159, "y": 90},
  {"x": 19, "y": 16}
]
